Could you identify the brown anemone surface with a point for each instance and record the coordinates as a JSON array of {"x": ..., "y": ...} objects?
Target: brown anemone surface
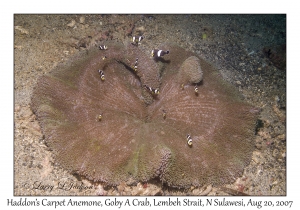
[{"x": 141, "y": 135}]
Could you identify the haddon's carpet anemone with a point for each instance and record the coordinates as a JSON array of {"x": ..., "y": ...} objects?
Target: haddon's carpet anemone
[{"x": 118, "y": 127}]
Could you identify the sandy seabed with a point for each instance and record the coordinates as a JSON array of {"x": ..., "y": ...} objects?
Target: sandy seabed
[{"x": 238, "y": 45}]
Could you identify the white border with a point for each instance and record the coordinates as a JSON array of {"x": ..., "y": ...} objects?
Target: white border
[{"x": 152, "y": 6}]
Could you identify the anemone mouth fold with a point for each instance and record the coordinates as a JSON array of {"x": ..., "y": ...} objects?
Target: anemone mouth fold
[{"x": 115, "y": 129}]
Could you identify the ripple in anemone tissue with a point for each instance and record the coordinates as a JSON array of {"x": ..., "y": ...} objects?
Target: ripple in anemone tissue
[{"x": 119, "y": 128}]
